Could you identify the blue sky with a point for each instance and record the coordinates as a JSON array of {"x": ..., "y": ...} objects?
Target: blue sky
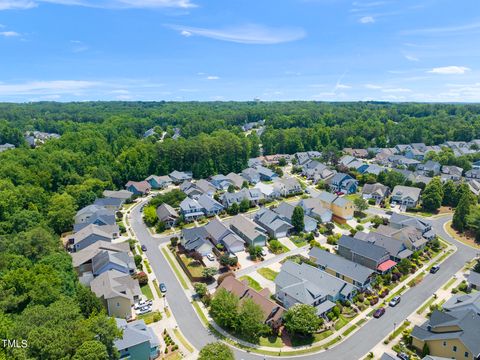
[{"x": 332, "y": 50}]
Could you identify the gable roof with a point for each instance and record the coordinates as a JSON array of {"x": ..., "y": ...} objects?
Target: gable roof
[
  {"x": 394, "y": 247},
  {"x": 247, "y": 227},
  {"x": 208, "y": 203},
  {"x": 119, "y": 194},
  {"x": 236, "y": 179},
  {"x": 84, "y": 255},
  {"x": 363, "y": 248},
  {"x": 105, "y": 257},
  {"x": 165, "y": 212},
  {"x": 406, "y": 191},
  {"x": 404, "y": 220},
  {"x": 141, "y": 186},
  {"x": 113, "y": 283},
  {"x": 271, "y": 220},
  {"x": 89, "y": 230},
  {"x": 464, "y": 301},
  {"x": 135, "y": 333},
  {"x": 377, "y": 188}
]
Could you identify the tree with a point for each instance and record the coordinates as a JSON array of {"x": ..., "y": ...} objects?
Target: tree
[
  {"x": 150, "y": 215},
  {"x": 473, "y": 222},
  {"x": 250, "y": 320},
  {"x": 476, "y": 268},
  {"x": 61, "y": 211},
  {"x": 244, "y": 205},
  {"x": 298, "y": 219},
  {"x": 432, "y": 196},
  {"x": 216, "y": 351},
  {"x": 224, "y": 309},
  {"x": 404, "y": 266},
  {"x": 160, "y": 227},
  {"x": 255, "y": 251},
  {"x": 462, "y": 211},
  {"x": 449, "y": 195},
  {"x": 209, "y": 272},
  {"x": 360, "y": 204},
  {"x": 245, "y": 184},
  {"x": 87, "y": 301},
  {"x": 91, "y": 350},
  {"x": 302, "y": 319},
  {"x": 231, "y": 188},
  {"x": 233, "y": 209},
  {"x": 201, "y": 289},
  {"x": 174, "y": 241},
  {"x": 138, "y": 261},
  {"x": 275, "y": 246}
]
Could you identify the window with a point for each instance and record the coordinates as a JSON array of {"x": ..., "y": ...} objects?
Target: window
[
  {"x": 118, "y": 304},
  {"x": 466, "y": 354},
  {"x": 454, "y": 348},
  {"x": 444, "y": 343}
]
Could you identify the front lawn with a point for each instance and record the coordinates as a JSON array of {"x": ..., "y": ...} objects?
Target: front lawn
[
  {"x": 267, "y": 273},
  {"x": 252, "y": 283},
  {"x": 299, "y": 241},
  {"x": 195, "y": 267},
  {"x": 147, "y": 291}
]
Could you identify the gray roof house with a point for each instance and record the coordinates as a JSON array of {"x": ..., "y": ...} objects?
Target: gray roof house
[
  {"x": 463, "y": 302},
  {"x": 473, "y": 174},
  {"x": 191, "y": 209},
  {"x": 119, "y": 194},
  {"x": 454, "y": 334},
  {"x": 305, "y": 284},
  {"x": 209, "y": 205},
  {"x": 353, "y": 273},
  {"x": 287, "y": 186},
  {"x": 195, "y": 239},
  {"x": 286, "y": 211},
  {"x": 400, "y": 221},
  {"x": 316, "y": 171},
  {"x": 253, "y": 195},
  {"x": 265, "y": 173},
  {"x": 138, "y": 341},
  {"x": 106, "y": 261},
  {"x": 86, "y": 212},
  {"x": 89, "y": 235},
  {"x": 6, "y": 146},
  {"x": 268, "y": 190},
  {"x": 473, "y": 280},
  {"x": 236, "y": 179},
  {"x": 450, "y": 172},
  {"x": 102, "y": 217},
  {"x": 409, "y": 236},
  {"x": 167, "y": 214},
  {"x": 314, "y": 208},
  {"x": 429, "y": 168},
  {"x": 221, "y": 182},
  {"x": 396, "y": 248},
  {"x": 275, "y": 225},
  {"x": 406, "y": 195},
  {"x": 251, "y": 175},
  {"x": 363, "y": 252},
  {"x": 109, "y": 203},
  {"x": 218, "y": 233},
  {"x": 375, "y": 191},
  {"x": 159, "y": 182},
  {"x": 180, "y": 176},
  {"x": 250, "y": 232}
]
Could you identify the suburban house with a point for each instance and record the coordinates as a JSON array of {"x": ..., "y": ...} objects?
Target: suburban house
[
  {"x": 6, "y": 146},
  {"x": 249, "y": 231},
  {"x": 218, "y": 233},
  {"x": 346, "y": 160},
  {"x": 195, "y": 239},
  {"x": 118, "y": 194},
  {"x": 341, "y": 208},
  {"x": 473, "y": 174},
  {"x": 191, "y": 209},
  {"x": 138, "y": 187},
  {"x": 473, "y": 280},
  {"x": 138, "y": 341},
  {"x": 287, "y": 186},
  {"x": 209, "y": 205},
  {"x": 285, "y": 210},
  {"x": 406, "y": 195},
  {"x": 265, "y": 173},
  {"x": 344, "y": 183},
  {"x": 236, "y": 179},
  {"x": 275, "y": 225},
  {"x": 268, "y": 191},
  {"x": 272, "y": 312},
  {"x": 396, "y": 248},
  {"x": 159, "y": 182},
  {"x": 306, "y": 284},
  {"x": 450, "y": 172},
  {"x": 349, "y": 271},
  {"x": 316, "y": 171},
  {"x": 429, "y": 168},
  {"x": 476, "y": 165},
  {"x": 314, "y": 208},
  {"x": 109, "y": 203},
  {"x": 221, "y": 182},
  {"x": 206, "y": 187},
  {"x": 254, "y": 196},
  {"x": 88, "y": 235},
  {"x": 365, "y": 253},
  {"x": 251, "y": 175},
  {"x": 463, "y": 302},
  {"x": 474, "y": 186},
  {"x": 149, "y": 132},
  {"x": 372, "y": 169},
  {"x": 303, "y": 157},
  {"x": 106, "y": 260},
  {"x": 167, "y": 214},
  {"x": 86, "y": 213},
  {"x": 409, "y": 236},
  {"x": 118, "y": 292},
  {"x": 190, "y": 189},
  {"x": 376, "y": 191},
  {"x": 400, "y": 221},
  {"x": 454, "y": 334},
  {"x": 359, "y": 153},
  {"x": 180, "y": 176}
]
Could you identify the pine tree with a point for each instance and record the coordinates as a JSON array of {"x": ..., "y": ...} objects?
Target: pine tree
[{"x": 297, "y": 219}]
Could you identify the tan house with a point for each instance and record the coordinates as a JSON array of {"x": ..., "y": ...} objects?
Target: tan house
[
  {"x": 454, "y": 335},
  {"x": 118, "y": 292},
  {"x": 341, "y": 208}
]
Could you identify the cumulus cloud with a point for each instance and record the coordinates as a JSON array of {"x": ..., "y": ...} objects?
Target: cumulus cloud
[
  {"x": 110, "y": 4},
  {"x": 9, "y": 33},
  {"x": 245, "y": 34},
  {"x": 450, "y": 70},
  {"x": 16, "y": 4},
  {"x": 411, "y": 58},
  {"x": 212, "y": 77},
  {"x": 46, "y": 87},
  {"x": 366, "y": 20}
]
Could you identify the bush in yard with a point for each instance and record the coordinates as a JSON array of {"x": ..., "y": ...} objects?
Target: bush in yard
[
  {"x": 232, "y": 261},
  {"x": 275, "y": 246},
  {"x": 337, "y": 310},
  {"x": 142, "y": 278},
  {"x": 302, "y": 319},
  {"x": 359, "y": 227},
  {"x": 138, "y": 261},
  {"x": 225, "y": 260},
  {"x": 216, "y": 351},
  {"x": 254, "y": 251},
  {"x": 174, "y": 241},
  {"x": 209, "y": 272},
  {"x": 160, "y": 227},
  {"x": 200, "y": 289}
]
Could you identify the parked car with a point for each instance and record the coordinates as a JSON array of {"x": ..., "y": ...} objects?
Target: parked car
[
  {"x": 379, "y": 313},
  {"x": 143, "y": 310},
  {"x": 263, "y": 252},
  {"x": 144, "y": 248},
  {"x": 162, "y": 288},
  {"x": 434, "y": 269},
  {"x": 210, "y": 257},
  {"x": 394, "y": 301},
  {"x": 403, "y": 356},
  {"x": 142, "y": 303}
]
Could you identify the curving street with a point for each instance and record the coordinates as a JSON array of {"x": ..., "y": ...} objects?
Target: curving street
[{"x": 355, "y": 347}]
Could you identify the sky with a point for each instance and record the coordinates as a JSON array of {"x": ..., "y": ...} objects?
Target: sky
[{"x": 180, "y": 50}]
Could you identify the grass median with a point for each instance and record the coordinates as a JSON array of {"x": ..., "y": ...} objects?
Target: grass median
[{"x": 175, "y": 269}]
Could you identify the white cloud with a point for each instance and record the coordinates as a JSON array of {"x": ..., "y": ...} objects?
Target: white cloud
[
  {"x": 46, "y": 87},
  {"x": 78, "y": 46},
  {"x": 444, "y": 30},
  {"x": 373, "y": 86},
  {"x": 109, "y": 4},
  {"x": 396, "y": 90},
  {"x": 212, "y": 77},
  {"x": 450, "y": 70},
  {"x": 366, "y": 20},
  {"x": 246, "y": 34},
  {"x": 342, "y": 86},
  {"x": 411, "y": 58},
  {"x": 9, "y": 33}
]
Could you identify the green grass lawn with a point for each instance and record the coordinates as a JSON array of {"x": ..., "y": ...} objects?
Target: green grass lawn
[
  {"x": 147, "y": 291},
  {"x": 175, "y": 268},
  {"x": 195, "y": 267},
  {"x": 349, "y": 330},
  {"x": 302, "y": 341},
  {"x": 183, "y": 340},
  {"x": 425, "y": 305},
  {"x": 267, "y": 273},
  {"x": 252, "y": 283},
  {"x": 299, "y": 241},
  {"x": 341, "y": 322},
  {"x": 150, "y": 317},
  {"x": 272, "y": 341}
]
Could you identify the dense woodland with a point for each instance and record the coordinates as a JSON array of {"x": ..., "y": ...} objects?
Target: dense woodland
[{"x": 102, "y": 146}]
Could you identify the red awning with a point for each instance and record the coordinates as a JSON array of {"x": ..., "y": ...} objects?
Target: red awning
[{"x": 386, "y": 265}]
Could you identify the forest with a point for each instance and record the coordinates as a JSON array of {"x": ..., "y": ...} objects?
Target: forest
[{"x": 102, "y": 146}]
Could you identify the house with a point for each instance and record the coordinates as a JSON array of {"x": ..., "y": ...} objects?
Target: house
[
  {"x": 254, "y": 196},
  {"x": 266, "y": 174},
  {"x": 287, "y": 186},
  {"x": 138, "y": 341},
  {"x": 159, "y": 182},
  {"x": 316, "y": 171},
  {"x": 250, "y": 232},
  {"x": 376, "y": 191},
  {"x": 359, "y": 153},
  {"x": 251, "y": 175},
  {"x": 419, "y": 178},
  {"x": 191, "y": 209},
  {"x": 364, "y": 253},
  {"x": 104, "y": 218},
  {"x": 272, "y": 312},
  {"x": 314, "y": 208},
  {"x": 463, "y": 302},
  {"x": 454, "y": 334},
  {"x": 400, "y": 221},
  {"x": 254, "y": 162},
  {"x": 6, "y": 146},
  {"x": 406, "y": 195},
  {"x": 206, "y": 187},
  {"x": 341, "y": 208},
  {"x": 304, "y": 157},
  {"x": 138, "y": 187},
  {"x": 306, "y": 284},
  {"x": 473, "y": 174},
  {"x": 236, "y": 179},
  {"x": 118, "y": 194},
  {"x": 209, "y": 205},
  {"x": 88, "y": 235},
  {"x": 409, "y": 236},
  {"x": 474, "y": 186},
  {"x": 285, "y": 210},
  {"x": 430, "y": 168},
  {"x": 106, "y": 260},
  {"x": 180, "y": 176},
  {"x": 345, "y": 161},
  {"x": 190, "y": 189},
  {"x": 109, "y": 203},
  {"x": 396, "y": 248},
  {"x": 84, "y": 214},
  {"x": 167, "y": 214},
  {"x": 402, "y": 161},
  {"x": 372, "y": 169},
  {"x": 273, "y": 223},
  {"x": 218, "y": 233},
  {"x": 117, "y": 291},
  {"x": 341, "y": 182},
  {"x": 221, "y": 182},
  {"x": 149, "y": 132},
  {"x": 450, "y": 172},
  {"x": 195, "y": 239},
  {"x": 476, "y": 165},
  {"x": 473, "y": 280},
  {"x": 349, "y": 271},
  {"x": 268, "y": 191}
]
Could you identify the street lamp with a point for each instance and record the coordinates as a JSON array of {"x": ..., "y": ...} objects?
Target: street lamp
[{"x": 394, "y": 326}]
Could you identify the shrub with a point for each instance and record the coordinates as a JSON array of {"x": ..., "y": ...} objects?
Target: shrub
[
  {"x": 174, "y": 241},
  {"x": 138, "y": 261},
  {"x": 359, "y": 227},
  {"x": 142, "y": 278}
]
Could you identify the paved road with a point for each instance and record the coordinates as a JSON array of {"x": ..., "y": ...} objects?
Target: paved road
[{"x": 353, "y": 348}]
